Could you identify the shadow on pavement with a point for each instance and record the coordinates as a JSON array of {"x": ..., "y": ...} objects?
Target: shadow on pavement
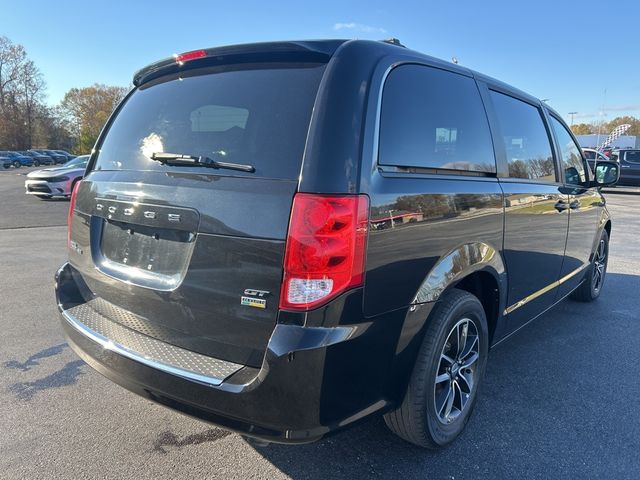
[
  {"x": 32, "y": 361},
  {"x": 67, "y": 375}
]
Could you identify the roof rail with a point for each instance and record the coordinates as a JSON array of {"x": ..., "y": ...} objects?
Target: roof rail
[{"x": 393, "y": 41}]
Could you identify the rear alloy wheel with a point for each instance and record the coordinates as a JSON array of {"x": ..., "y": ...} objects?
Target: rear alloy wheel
[
  {"x": 36, "y": 163},
  {"x": 593, "y": 281},
  {"x": 457, "y": 372},
  {"x": 17, "y": 164},
  {"x": 448, "y": 370}
]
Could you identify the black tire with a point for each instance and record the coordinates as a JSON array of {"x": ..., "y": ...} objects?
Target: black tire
[
  {"x": 17, "y": 164},
  {"x": 36, "y": 163},
  {"x": 416, "y": 420},
  {"x": 591, "y": 286}
]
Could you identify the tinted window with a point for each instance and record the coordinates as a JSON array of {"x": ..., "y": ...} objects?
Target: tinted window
[
  {"x": 525, "y": 137},
  {"x": 432, "y": 118},
  {"x": 80, "y": 161},
  {"x": 589, "y": 155},
  {"x": 574, "y": 172},
  {"x": 257, "y": 115},
  {"x": 632, "y": 156}
]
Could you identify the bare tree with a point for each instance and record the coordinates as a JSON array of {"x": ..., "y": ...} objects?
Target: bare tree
[
  {"x": 32, "y": 87},
  {"x": 22, "y": 89}
]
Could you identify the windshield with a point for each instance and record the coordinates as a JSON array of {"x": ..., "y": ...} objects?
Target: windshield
[
  {"x": 258, "y": 115},
  {"x": 80, "y": 161}
]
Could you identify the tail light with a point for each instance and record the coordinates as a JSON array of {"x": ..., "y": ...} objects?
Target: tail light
[
  {"x": 325, "y": 249},
  {"x": 72, "y": 206}
]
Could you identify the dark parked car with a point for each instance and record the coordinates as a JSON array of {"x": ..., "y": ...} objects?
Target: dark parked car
[
  {"x": 57, "y": 157},
  {"x": 68, "y": 155},
  {"x": 17, "y": 159},
  {"x": 629, "y": 160},
  {"x": 223, "y": 259},
  {"x": 5, "y": 162},
  {"x": 38, "y": 158}
]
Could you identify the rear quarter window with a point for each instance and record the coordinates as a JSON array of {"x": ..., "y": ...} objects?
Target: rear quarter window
[
  {"x": 633, "y": 157},
  {"x": 435, "y": 119},
  {"x": 253, "y": 114}
]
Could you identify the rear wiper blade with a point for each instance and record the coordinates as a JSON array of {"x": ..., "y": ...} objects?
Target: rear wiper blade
[{"x": 177, "y": 159}]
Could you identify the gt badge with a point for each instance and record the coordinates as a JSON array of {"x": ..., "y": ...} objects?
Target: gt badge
[{"x": 254, "y": 298}]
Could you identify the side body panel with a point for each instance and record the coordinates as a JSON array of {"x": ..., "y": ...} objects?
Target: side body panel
[
  {"x": 534, "y": 242},
  {"x": 586, "y": 205},
  {"x": 416, "y": 223}
]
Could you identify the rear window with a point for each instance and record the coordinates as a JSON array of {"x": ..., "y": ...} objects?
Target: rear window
[{"x": 256, "y": 115}]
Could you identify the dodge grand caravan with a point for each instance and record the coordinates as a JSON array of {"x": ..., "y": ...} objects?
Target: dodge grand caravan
[{"x": 283, "y": 238}]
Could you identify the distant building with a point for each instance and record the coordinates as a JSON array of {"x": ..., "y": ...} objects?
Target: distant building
[{"x": 625, "y": 141}]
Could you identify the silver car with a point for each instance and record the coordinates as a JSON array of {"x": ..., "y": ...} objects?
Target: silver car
[{"x": 56, "y": 181}]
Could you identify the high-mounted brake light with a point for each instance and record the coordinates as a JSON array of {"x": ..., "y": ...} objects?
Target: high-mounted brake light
[
  {"x": 72, "y": 206},
  {"x": 185, "y": 57},
  {"x": 325, "y": 249}
]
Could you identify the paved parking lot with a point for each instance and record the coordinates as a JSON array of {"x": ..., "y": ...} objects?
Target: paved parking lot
[{"x": 559, "y": 400}]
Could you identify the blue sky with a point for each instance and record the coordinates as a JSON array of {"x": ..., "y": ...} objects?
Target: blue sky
[{"x": 547, "y": 48}]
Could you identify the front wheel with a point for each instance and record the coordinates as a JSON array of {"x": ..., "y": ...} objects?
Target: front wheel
[
  {"x": 36, "y": 163},
  {"x": 17, "y": 164},
  {"x": 593, "y": 282},
  {"x": 448, "y": 370}
]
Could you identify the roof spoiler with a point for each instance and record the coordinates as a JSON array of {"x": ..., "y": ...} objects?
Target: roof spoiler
[{"x": 308, "y": 51}]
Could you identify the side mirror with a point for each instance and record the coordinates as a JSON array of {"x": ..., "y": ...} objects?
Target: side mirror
[{"x": 607, "y": 173}]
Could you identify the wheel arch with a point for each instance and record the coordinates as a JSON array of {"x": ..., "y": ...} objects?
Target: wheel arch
[
  {"x": 477, "y": 268},
  {"x": 607, "y": 227}
]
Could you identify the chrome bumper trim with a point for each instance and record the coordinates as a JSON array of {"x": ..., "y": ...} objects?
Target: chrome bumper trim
[{"x": 147, "y": 350}]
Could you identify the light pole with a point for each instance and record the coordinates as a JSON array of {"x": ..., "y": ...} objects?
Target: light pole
[{"x": 572, "y": 114}]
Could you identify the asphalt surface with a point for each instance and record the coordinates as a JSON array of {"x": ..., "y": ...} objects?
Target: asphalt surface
[
  {"x": 559, "y": 399},
  {"x": 21, "y": 210}
]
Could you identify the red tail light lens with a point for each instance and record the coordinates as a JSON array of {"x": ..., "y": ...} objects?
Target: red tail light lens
[
  {"x": 325, "y": 249},
  {"x": 185, "y": 57},
  {"x": 72, "y": 206}
]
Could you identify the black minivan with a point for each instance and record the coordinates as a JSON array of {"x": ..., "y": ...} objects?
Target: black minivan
[{"x": 283, "y": 238}]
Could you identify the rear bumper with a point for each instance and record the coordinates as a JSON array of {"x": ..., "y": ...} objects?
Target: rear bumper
[{"x": 313, "y": 380}]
